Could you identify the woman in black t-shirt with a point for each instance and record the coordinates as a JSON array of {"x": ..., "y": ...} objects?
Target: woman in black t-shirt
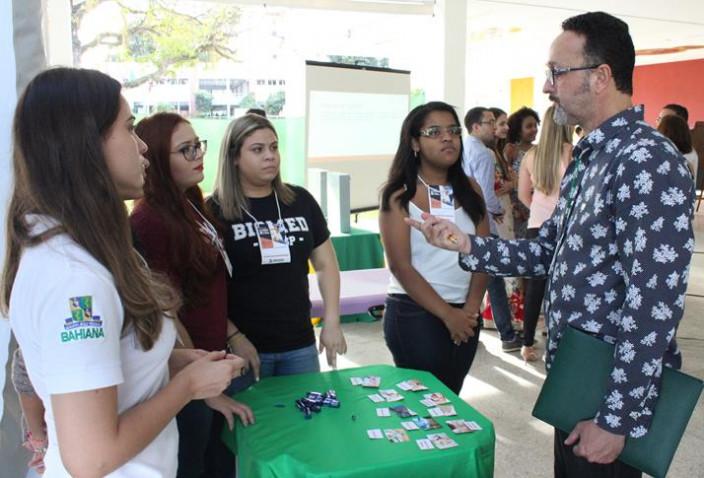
[{"x": 272, "y": 229}]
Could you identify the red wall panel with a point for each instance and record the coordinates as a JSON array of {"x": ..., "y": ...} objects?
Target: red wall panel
[{"x": 677, "y": 82}]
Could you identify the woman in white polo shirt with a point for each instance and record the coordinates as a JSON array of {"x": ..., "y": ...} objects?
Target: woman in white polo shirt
[{"x": 88, "y": 315}]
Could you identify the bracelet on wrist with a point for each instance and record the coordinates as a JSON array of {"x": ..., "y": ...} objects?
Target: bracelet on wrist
[{"x": 234, "y": 334}]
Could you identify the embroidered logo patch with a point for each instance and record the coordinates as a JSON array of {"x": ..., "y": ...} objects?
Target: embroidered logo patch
[{"x": 82, "y": 325}]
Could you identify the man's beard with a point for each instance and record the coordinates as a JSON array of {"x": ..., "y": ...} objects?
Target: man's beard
[{"x": 559, "y": 115}]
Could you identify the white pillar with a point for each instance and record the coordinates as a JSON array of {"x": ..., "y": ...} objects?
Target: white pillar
[
  {"x": 57, "y": 32},
  {"x": 9, "y": 455},
  {"x": 452, "y": 18}
]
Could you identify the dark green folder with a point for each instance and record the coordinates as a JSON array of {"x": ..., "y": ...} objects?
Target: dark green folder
[{"x": 575, "y": 388}]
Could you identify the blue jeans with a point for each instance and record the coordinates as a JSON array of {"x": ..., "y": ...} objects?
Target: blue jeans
[
  {"x": 500, "y": 310},
  {"x": 303, "y": 360},
  {"x": 417, "y": 339}
]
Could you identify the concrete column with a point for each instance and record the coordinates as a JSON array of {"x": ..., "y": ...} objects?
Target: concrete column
[
  {"x": 452, "y": 18},
  {"x": 57, "y": 32}
]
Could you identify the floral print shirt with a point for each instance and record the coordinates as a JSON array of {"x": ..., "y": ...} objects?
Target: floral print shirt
[{"x": 616, "y": 253}]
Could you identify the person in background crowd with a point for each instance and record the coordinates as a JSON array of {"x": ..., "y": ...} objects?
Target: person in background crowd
[
  {"x": 268, "y": 297},
  {"x": 676, "y": 130},
  {"x": 505, "y": 180},
  {"x": 673, "y": 109},
  {"x": 73, "y": 284},
  {"x": 538, "y": 188},
  {"x": 431, "y": 319},
  {"x": 478, "y": 162},
  {"x": 256, "y": 111},
  {"x": 179, "y": 239},
  {"x": 522, "y": 130}
]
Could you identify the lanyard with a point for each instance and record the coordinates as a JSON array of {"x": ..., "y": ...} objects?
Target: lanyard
[
  {"x": 209, "y": 230},
  {"x": 212, "y": 232},
  {"x": 278, "y": 208}
]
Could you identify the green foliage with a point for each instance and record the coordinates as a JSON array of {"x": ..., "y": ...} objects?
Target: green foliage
[
  {"x": 360, "y": 60},
  {"x": 164, "y": 108},
  {"x": 204, "y": 103},
  {"x": 249, "y": 102},
  {"x": 275, "y": 103},
  {"x": 163, "y": 34}
]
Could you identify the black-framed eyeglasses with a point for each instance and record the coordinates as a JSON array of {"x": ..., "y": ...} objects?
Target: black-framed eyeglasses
[
  {"x": 491, "y": 122},
  {"x": 552, "y": 72},
  {"x": 436, "y": 131},
  {"x": 191, "y": 152}
]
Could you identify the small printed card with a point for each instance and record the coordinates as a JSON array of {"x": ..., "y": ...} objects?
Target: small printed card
[
  {"x": 403, "y": 411},
  {"x": 412, "y": 385},
  {"x": 442, "y": 441},
  {"x": 383, "y": 412},
  {"x": 356, "y": 380},
  {"x": 463, "y": 426},
  {"x": 409, "y": 426},
  {"x": 426, "y": 423},
  {"x": 426, "y": 402},
  {"x": 376, "y": 398},
  {"x": 425, "y": 444},
  {"x": 396, "y": 435},
  {"x": 371, "y": 382},
  {"x": 391, "y": 395},
  {"x": 442, "y": 411},
  {"x": 375, "y": 434},
  {"x": 436, "y": 398}
]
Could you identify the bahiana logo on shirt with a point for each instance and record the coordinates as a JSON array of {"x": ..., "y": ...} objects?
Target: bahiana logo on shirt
[{"x": 82, "y": 325}]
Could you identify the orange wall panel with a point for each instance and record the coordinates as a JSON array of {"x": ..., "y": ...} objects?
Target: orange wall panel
[{"x": 676, "y": 82}]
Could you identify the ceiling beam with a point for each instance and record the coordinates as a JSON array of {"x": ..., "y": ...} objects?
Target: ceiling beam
[{"x": 408, "y": 7}]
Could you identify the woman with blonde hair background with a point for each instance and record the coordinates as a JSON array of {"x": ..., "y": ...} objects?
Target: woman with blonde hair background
[
  {"x": 539, "y": 180},
  {"x": 268, "y": 298}
]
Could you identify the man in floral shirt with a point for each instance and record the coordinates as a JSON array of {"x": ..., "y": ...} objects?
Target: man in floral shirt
[{"x": 617, "y": 249}]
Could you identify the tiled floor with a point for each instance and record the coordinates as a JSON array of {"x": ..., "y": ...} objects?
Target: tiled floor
[{"x": 504, "y": 389}]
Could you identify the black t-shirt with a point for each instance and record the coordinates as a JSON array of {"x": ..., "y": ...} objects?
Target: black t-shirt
[{"x": 270, "y": 303}]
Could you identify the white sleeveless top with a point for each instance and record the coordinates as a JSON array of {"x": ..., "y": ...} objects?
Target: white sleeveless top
[{"x": 439, "y": 267}]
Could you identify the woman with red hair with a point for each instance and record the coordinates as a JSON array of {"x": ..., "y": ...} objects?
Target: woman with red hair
[{"x": 181, "y": 240}]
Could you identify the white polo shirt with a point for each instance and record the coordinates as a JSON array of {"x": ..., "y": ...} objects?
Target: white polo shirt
[{"x": 67, "y": 317}]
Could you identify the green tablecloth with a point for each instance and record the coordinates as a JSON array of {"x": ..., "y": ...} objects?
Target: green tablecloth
[
  {"x": 360, "y": 249},
  {"x": 334, "y": 442}
]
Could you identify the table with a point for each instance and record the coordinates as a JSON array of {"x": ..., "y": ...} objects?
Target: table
[
  {"x": 360, "y": 249},
  {"x": 334, "y": 443},
  {"x": 359, "y": 290}
]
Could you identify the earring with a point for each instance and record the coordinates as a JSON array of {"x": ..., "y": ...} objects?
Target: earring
[{"x": 415, "y": 154}]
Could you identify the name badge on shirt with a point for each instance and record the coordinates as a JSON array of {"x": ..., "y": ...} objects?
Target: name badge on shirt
[
  {"x": 442, "y": 201},
  {"x": 273, "y": 243}
]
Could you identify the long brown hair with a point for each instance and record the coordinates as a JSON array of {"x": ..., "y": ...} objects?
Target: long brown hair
[
  {"x": 60, "y": 171},
  {"x": 676, "y": 129},
  {"x": 195, "y": 259},
  {"x": 228, "y": 191}
]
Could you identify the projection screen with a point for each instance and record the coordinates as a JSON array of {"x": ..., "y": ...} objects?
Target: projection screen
[{"x": 353, "y": 119}]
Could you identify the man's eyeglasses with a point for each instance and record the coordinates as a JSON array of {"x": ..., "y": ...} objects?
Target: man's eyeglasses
[
  {"x": 552, "y": 72},
  {"x": 436, "y": 131},
  {"x": 491, "y": 122},
  {"x": 191, "y": 151}
]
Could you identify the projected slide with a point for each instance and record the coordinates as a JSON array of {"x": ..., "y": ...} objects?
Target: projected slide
[
  {"x": 354, "y": 117},
  {"x": 353, "y": 124}
]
